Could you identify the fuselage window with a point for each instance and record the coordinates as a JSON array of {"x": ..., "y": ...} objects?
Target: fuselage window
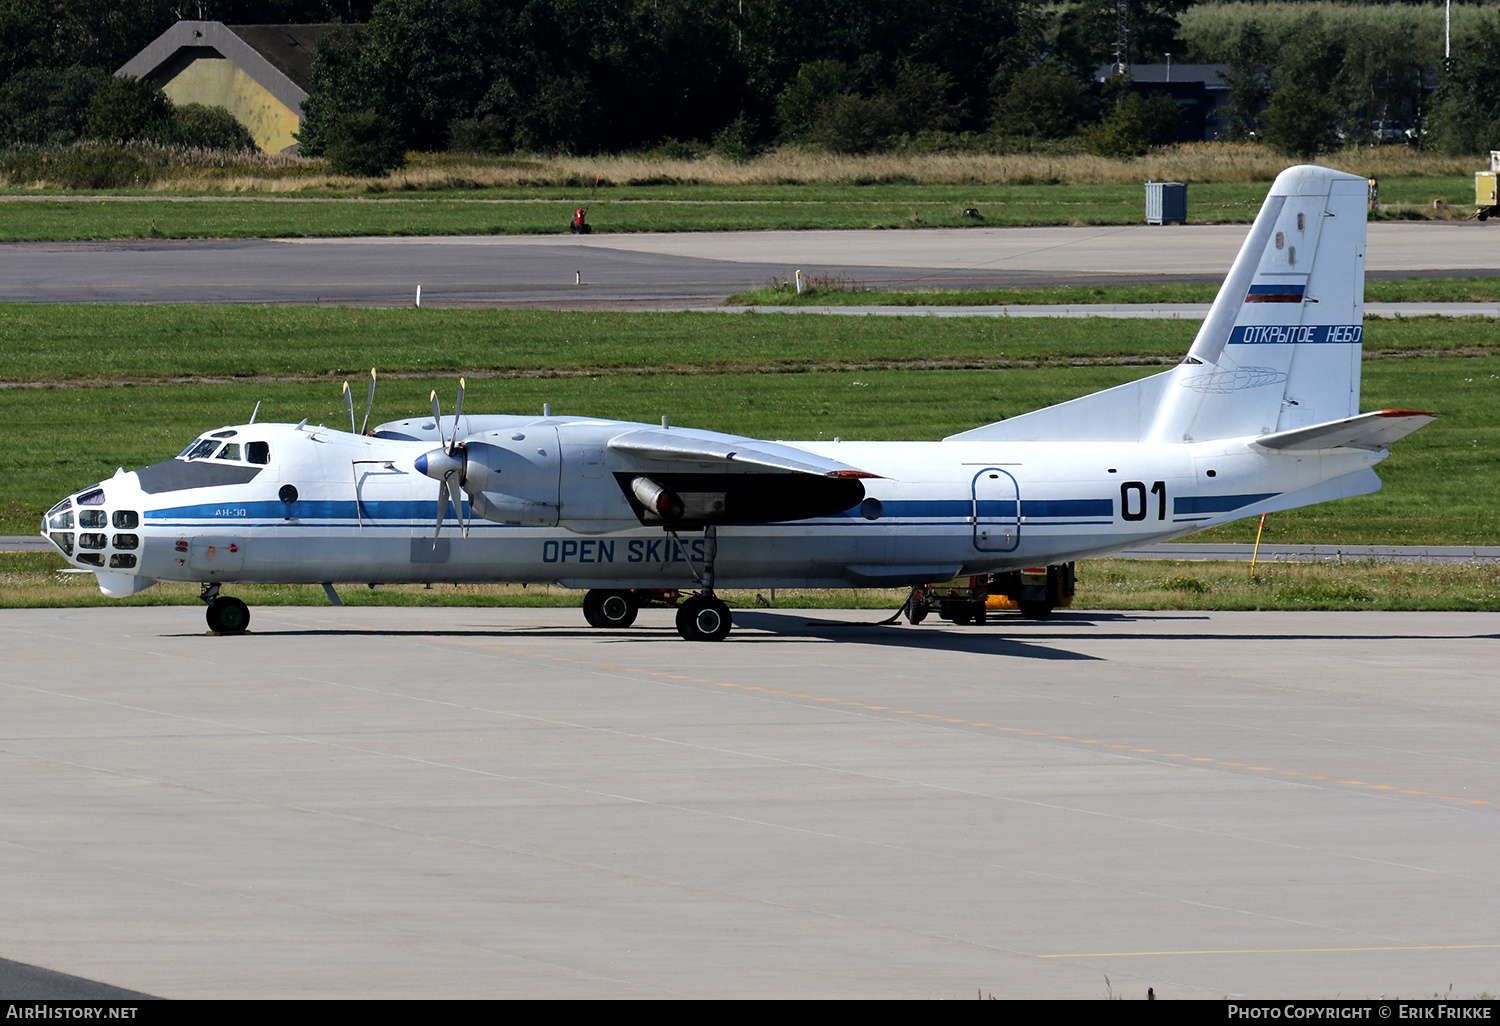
[
  {"x": 92, "y": 541},
  {"x": 127, "y": 519},
  {"x": 91, "y": 558},
  {"x": 231, "y": 451},
  {"x": 92, "y": 518},
  {"x": 122, "y": 560},
  {"x": 127, "y": 541},
  {"x": 258, "y": 452}
]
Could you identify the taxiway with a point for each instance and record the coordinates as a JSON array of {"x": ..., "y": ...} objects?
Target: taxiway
[{"x": 466, "y": 802}]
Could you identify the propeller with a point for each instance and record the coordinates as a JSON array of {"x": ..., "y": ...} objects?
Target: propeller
[
  {"x": 369, "y": 404},
  {"x": 446, "y": 466}
]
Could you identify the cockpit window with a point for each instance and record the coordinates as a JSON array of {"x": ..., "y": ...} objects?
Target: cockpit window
[
  {"x": 231, "y": 451},
  {"x": 200, "y": 449},
  {"x": 223, "y": 434},
  {"x": 92, "y": 498},
  {"x": 258, "y": 452}
]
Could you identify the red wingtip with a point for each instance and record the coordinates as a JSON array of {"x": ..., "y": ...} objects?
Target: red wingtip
[{"x": 1404, "y": 413}]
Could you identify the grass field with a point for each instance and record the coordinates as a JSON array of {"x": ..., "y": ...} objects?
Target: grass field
[
  {"x": 850, "y": 293},
  {"x": 127, "y": 386},
  {"x": 891, "y": 201}
]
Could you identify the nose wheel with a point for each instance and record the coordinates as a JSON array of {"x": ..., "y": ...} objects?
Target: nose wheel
[
  {"x": 703, "y": 618},
  {"x": 228, "y": 615}
]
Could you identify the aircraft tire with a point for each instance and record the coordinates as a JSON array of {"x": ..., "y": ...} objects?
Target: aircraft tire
[
  {"x": 1035, "y": 610},
  {"x": 703, "y": 618},
  {"x": 228, "y": 616},
  {"x": 602, "y": 608}
]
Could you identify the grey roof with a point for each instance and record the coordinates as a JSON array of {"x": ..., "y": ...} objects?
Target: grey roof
[
  {"x": 1211, "y": 75},
  {"x": 279, "y": 57}
]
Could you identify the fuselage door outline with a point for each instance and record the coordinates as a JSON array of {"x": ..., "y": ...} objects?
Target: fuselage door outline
[{"x": 997, "y": 511}]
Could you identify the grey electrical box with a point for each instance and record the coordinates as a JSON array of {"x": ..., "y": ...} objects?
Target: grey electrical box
[{"x": 1166, "y": 203}]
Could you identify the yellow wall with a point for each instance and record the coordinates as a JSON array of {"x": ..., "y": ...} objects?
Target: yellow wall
[{"x": 216, "y": 82}]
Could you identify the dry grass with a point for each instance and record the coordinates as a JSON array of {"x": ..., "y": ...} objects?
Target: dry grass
[{"x": 1200, "y": 162}]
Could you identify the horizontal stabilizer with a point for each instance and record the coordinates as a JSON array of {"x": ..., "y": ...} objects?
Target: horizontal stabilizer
[
  {"x": 677, "y": 445},
  {"x": 1372, "y": 431}
]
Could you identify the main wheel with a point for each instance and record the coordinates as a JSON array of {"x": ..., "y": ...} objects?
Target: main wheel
[
  {"x": 703, "y": 618},
  {"x": 228, "y": 616},
  {"x": 609, "y": 608}
]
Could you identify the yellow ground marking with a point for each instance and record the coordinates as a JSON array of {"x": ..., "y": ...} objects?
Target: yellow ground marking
[{"x": 1032, "y": 733}]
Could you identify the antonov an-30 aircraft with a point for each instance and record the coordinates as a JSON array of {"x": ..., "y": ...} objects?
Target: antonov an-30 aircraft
[{"x": 1262, "y": 415}]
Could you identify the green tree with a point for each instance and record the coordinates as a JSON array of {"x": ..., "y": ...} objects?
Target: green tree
[
  {"x": 1132, "y": 125},
  {"x": 364, "y": 144},
  {"x": 45, "y": 105},
  {"x": 1046, "y": 102},
  {"x": 1252, "y": 61},
  {"x": 1088, "y": 31},
  {"x": 1302, "y": 122},
  {"x": 1466, "y": 104},
  {"x": 127, "y": 108}
]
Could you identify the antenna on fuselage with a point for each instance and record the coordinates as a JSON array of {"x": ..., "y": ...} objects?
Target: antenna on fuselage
[{"x": 255, "y": 411}]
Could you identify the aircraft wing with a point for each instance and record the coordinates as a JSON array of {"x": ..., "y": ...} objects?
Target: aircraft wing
[
  {"x": 676, "y": 445},
  {"x": 1373, "y": 431}
]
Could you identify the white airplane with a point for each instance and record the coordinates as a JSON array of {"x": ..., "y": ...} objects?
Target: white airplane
[{"x": 1262, "y": 415}]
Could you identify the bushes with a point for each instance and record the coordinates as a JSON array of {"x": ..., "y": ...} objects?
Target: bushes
[
  {"x": 79, "y": 167},
  {"x": 209, "y": 128},
  {"x": 126, "y": 108},
  {"x": 364, "y": 144},
  {"x": 1133, "y": 126}
]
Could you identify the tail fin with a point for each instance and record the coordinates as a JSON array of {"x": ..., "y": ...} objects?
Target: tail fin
[{"x": 1280, "y": 347}]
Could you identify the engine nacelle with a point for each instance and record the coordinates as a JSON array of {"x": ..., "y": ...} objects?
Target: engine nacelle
[
  {"x": 513, "y": 484},
  {"x": 499, "y": 508}
]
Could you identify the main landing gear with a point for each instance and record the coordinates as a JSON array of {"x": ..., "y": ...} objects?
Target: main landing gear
[
  {"x": 701, "y": 617},
  {"x": 609, "y": 608},
  {"x": 704, "y": 618},
  {"x": 225, "y": 615}
]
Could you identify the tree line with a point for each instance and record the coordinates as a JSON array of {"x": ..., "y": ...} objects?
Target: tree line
[{"x": 735, "y": 76}]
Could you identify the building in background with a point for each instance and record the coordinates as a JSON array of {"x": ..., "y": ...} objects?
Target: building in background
[
  {"x": 1197, "y": 89},
  {"x": 260, "y": 73}
]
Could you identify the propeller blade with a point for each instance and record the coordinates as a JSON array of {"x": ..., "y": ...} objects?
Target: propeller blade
[
  {"x": 442, "y": 508},
  {"x": 349, "y": 404},
  {"x": 369, "y": 402},
  {"x": 457, "y": 410},
  {"x": 437, "y": 415},
  {"x": 450, "y": 481}
]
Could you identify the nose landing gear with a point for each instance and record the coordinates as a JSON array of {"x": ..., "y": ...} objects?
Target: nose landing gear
[{"x": 225, "y": 615}]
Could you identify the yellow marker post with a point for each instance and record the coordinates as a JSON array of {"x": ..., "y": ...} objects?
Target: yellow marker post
[{"x": 1256, "y": 553}]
